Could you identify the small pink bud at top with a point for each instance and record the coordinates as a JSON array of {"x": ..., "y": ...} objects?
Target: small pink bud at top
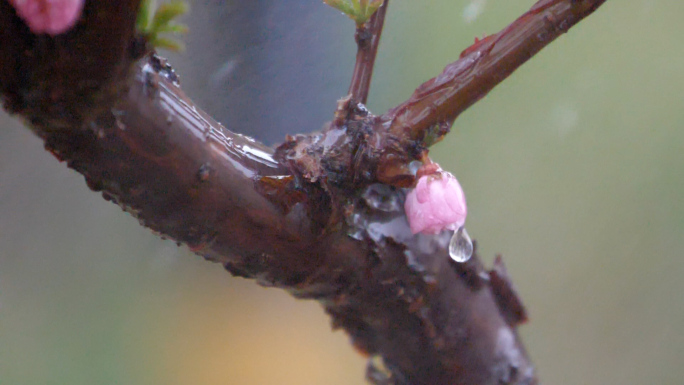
[
  {"x": 48, "y": 16},
  {"x": 437, "y": 203}
]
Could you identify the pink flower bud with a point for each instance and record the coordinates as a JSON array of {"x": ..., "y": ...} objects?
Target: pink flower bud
[
  {"x": 437, "y": 203},
  {"x": 48, "y": 16}
]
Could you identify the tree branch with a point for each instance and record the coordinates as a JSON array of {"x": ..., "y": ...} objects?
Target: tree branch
[
  {"x": 367, "y": 40},
  {"x": 309, "y": 217},
  {"x": 429, "y": 113}
]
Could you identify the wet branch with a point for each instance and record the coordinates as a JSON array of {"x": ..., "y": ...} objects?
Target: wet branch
[
  {"x": 367, "y": 40},
  {"x": 439, "y": 101},
  {"x": 309, "y": 217}
]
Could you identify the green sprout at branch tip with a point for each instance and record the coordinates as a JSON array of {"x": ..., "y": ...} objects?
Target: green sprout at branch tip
[
  {"x": 153, "y": 21},
  {"x": 358, "y": 10}
]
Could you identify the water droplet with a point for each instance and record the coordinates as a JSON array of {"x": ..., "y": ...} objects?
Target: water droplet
[
  {"x": 119, "y": 116},
  {"x": 461, "y": 247},
  {"x": 473, "y": 10},
  {"x": 382, "y": 197},
  {"x": 377, "y": 372},
  {"x": 204, "y": 172}
]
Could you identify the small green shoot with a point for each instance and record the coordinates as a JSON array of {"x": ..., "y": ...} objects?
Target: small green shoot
[
  {"x": 154, "y": 21},
  {"x": 358, "y": 10}
]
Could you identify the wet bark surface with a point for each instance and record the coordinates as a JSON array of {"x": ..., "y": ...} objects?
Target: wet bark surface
[{"x": 321, "y": 216}]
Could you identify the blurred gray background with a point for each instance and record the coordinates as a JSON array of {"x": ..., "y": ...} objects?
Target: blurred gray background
[{"x": 573, "y": 169}]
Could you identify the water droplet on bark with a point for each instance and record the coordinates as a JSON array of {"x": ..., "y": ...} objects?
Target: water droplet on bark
[
  {"x": 204, "y": 172},
  {"x": 382, "y": 197},
  {"x": 460, "y": 247}
]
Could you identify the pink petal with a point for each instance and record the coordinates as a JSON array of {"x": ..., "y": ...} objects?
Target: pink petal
[
  {"x": 422, "y": 190},
  {"x": 457, "y": 203},
  {"x": 48, "y": 16},
  {"x": 437, "y": 203}
]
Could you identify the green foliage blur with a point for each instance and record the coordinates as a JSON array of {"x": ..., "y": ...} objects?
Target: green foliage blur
[
  {"x": 572, "y": 169},
  {"x": 155, "y": 22}
]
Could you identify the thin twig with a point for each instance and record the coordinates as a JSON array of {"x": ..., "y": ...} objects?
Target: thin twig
[
  {"x": 484, "y": 65},
  {"x": 367, "y": 39}
]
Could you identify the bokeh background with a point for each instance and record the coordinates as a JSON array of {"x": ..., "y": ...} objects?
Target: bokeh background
[{"x": 573, "y": 168}]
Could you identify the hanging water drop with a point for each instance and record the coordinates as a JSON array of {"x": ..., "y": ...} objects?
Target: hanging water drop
[{"x": 460, "y": 247}]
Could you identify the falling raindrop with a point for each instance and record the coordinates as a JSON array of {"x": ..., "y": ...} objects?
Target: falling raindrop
[
  {"x": 473, "y": 10},
  {"x": 460, "y": 247}
]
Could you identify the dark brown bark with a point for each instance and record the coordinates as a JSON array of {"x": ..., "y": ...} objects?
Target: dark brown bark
[
  {"x": 368, "y": 40},
  {"x": 429, "y": 113},
  {"x": 310, "y": 217}
]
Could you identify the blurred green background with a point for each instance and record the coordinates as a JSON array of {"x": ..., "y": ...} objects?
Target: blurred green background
[{"x": 573, "y": 169}]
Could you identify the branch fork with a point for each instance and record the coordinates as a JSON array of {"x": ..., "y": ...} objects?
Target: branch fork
[{"x": 320, "y": 216}]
